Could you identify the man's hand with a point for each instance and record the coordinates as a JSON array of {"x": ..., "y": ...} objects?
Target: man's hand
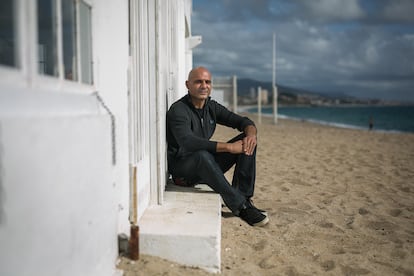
[
  {"x": 249, "y": 144},
  {"x": 236, "y": 147},
  {"x": 246, "y": 146},
  {"x": 250, "y": 141}
]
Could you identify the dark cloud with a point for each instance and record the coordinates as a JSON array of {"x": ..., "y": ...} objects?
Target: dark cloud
[
  {"x": 359, "y": 47},
  {"x": 398, "y": 10}
]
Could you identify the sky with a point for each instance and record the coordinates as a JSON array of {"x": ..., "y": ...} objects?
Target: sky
[{"x": 363, "y": 48}]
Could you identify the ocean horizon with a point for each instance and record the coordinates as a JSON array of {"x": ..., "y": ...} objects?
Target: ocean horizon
[{"x": 383, "y": 118}]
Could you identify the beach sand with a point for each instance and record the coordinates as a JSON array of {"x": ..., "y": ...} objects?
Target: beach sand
[{"x": 340, "y": 202}]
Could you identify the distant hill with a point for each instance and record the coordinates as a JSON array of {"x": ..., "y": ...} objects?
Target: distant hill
[
  {"x": 244, "y": 86},
  {"x": 291, "y": 95}
]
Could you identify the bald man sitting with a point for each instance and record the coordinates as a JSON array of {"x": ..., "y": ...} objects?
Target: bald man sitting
[{"x": 193, "y": 157}]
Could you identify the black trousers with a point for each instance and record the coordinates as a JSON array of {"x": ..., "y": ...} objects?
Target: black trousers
[{"x": 203, "y": 166}]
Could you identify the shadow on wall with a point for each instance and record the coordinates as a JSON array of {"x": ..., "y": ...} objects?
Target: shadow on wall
[{"x": 2, "y": 214}]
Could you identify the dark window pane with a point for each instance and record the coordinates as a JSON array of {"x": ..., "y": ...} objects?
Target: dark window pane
[
  {"x": 47, "y": 37},
  {"x": 85, "y": 33},
  {"x": 69, "y": 39},
  {"x": 7, "y": 34}
]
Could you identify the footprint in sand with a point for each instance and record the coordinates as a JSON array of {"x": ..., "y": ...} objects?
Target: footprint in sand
[
  {"x": 338, "y": 250},
  {"x": 328, "y": 265},
  {"x": 398, "y": 253},
  {"x": 405, "y": 189},
  {"x": 263, "y": 189},
  {"x": 395, "y": 212},
  {"x": 325, "y": 224},
  {"x": 268, "y": 262},
  {"x": 327, "y": 201},
  {"x": 383, "y": 226},
  {"x": 260, "y": 245},
  {"x": 291, "y": 271},
  {"x": 386, "y": 229},
  {"x": 349, "y": 221},
  {"x": 363, "y": 211},
  {"x": 285, "y": 189},
  {"x": 354, "y": 270}
]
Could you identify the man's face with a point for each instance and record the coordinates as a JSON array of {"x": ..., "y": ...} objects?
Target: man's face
[{"x": 199, "y": 85}]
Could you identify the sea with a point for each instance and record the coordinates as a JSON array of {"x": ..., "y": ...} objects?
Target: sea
[{"x": 383, "y": 118}]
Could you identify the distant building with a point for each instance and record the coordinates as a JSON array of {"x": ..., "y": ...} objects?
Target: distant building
[
  {"x": 253, "y": 96},
  {"x": 264, "y": 96},
  {"x": 225, "y": 91}
]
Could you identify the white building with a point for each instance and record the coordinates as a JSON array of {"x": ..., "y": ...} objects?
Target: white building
[{"x": 84, "y": 87}]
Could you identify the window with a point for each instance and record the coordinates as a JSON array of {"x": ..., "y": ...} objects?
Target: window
[
  {"x": 72, "y": 25},
  {"x": 85, "y": 42},
  {"x": 69, "y": 40},
  {"x": 47, "y": 38},
  {"x": 7, "y": 34},
  {"x": 56, "y": 44}
]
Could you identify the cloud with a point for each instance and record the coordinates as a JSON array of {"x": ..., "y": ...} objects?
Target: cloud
[
  {"x": 346, "y": 46},
  {"x": 331, "y": 10},
  {"x": 399, "y": 10}
]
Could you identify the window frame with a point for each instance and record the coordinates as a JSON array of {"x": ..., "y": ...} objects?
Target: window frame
[{"x": 25, "y": 74}]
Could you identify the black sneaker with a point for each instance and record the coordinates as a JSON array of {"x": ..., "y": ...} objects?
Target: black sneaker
[
  {"x": 249, "y": 203},
  {"x": 253, "y": 216}
]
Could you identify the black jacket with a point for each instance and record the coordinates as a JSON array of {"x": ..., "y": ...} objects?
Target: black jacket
[{"x": 188, "y": 132}]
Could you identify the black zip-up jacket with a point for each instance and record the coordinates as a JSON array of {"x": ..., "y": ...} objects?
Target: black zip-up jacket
[{"x": 188, "y": 131}]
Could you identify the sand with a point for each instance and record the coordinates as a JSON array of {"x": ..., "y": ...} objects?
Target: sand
[{"x": 340, "y": 202}]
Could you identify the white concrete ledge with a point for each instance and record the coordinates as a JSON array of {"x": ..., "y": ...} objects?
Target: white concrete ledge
[{"x": 186, "y": 229}]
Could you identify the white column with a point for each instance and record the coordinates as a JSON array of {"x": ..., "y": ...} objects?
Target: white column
[
  {"x": 259, "y": 104},
  {"x": 274, "y": 81},
  {"x": 235, "y": 94},
  {"x": 275, "y": 104}
]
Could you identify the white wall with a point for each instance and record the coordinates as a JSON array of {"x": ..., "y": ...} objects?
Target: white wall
[
  {"x": 111, "y": 54},
  {"x": 60, "y": 193},
  {"x": 62, "y": 200},
  {"x": 57, "y": 198}
]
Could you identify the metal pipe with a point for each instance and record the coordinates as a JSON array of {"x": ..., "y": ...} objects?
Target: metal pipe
[{"x": 133, "y": 243}]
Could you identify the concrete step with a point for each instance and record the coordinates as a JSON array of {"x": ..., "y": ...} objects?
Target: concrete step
[{"x": 186, "y": 229}]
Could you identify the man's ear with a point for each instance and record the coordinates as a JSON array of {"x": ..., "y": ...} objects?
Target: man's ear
[{"x": 186, "y": 84}]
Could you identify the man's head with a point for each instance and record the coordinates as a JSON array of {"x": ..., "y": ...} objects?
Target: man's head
[{"x": 199, "y": 85}]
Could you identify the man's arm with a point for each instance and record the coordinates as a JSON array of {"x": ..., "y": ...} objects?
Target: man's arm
[
  {"x": 236, "y": 147},
  {"x": 246, "y": 146}
]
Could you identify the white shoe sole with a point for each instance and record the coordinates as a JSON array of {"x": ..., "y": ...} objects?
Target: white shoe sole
[{"x": 262, "y": 223}]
